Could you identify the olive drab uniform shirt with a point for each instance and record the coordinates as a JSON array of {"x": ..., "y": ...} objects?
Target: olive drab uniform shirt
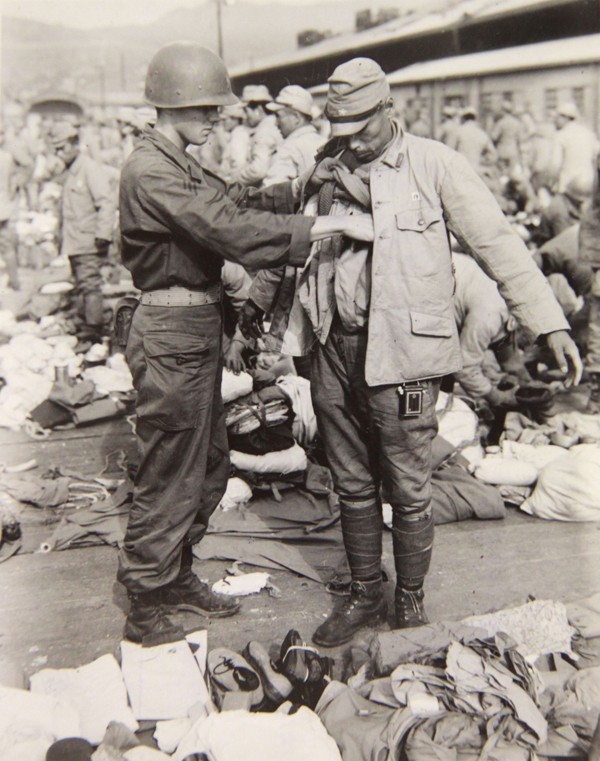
[{"x": 178, "y": 221}]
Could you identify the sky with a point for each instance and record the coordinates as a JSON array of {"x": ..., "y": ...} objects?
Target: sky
[{"x": 86, "y": 14}]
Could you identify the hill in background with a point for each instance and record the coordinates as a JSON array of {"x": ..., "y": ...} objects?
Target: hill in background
[{"x": 93, "y": 63}]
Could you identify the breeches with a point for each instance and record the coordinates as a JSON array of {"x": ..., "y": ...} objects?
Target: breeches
[{"x": 368, "y": 444}]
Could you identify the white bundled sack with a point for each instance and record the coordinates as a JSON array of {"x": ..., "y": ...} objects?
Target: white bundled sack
[
  {"x": 233, "y": 386},
  {"x": 568, "y": 489},
  {"x": 286, "y": 461}
]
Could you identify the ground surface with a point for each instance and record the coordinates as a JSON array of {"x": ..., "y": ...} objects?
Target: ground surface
[{"x": 63, "y": 609}]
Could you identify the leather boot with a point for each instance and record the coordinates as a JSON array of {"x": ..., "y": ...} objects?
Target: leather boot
[
  {"x": 187, "y": 592},
  {"x": 147, "y": 623},
  {"x": 366, "y": 606},
  {"x": 408, "y": 608}
]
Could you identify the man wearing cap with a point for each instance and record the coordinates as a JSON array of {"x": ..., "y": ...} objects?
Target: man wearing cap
[
  {"x": 508, "y": 133},
  {"x": 564, "y": 210},
  {"x": 383, "y": 336},
  {"x": 448, "y": 130},
  {"x": 236, "y": 139},
  {"x": 89, "y": 208},
  {"x": 576, "y": 146},
  {"x": 293, "y": 109},
  {"x": 474, "y": 143},
  {"x": 178, "y": 224},
  {"x": 265, "y": 136}
]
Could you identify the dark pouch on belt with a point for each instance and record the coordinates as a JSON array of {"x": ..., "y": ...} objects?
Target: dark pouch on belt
[{"x": 124, "y": 310}]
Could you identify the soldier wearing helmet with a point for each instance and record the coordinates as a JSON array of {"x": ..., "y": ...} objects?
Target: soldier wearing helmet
[{"x": 178, "y": 225}]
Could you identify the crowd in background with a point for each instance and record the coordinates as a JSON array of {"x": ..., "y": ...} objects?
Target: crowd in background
[{"x": 543, "y": 174}]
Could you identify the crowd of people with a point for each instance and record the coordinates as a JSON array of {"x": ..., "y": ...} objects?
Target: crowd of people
[{"x": 415, "y": 272}]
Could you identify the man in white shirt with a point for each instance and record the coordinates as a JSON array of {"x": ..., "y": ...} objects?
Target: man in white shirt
[
  {"x": 576, "y": 146},
  {"x": 293, "y": 109}
]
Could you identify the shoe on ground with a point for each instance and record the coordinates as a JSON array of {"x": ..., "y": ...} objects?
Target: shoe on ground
[
  {"x": 147, "y": 623},
  {"x": 366, "y": 606},
  {"x": 409, "y": 608},
  {"x": 188, "y": 593},
  {"x": 277, "y": 686},
  {"x": 230, "y": 672}
]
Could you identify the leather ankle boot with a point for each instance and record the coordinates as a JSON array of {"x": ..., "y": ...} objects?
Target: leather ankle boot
[
  {"x": 187, "y": 592},
  {"x": 366, "y": 606},
  {"x": 147, "y": 623},
  {"x": 409, "y": 609}
]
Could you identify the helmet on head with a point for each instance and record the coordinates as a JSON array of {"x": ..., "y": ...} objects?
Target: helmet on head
[{"x": 186, "y": 74}]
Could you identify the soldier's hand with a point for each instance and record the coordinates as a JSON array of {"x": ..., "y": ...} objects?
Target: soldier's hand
[
  {"x": 233, "y": 359},
  {"x": 250, "y": 320},
  {"x": 313, "y": 178},
  {"x": 567, "y": 356}
]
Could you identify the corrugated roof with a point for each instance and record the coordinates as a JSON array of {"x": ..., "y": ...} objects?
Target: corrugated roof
[
  {"x": 521, "y": 58},
  {"x": 464, "y": 12},
  {"x": 538, "y": 55}
]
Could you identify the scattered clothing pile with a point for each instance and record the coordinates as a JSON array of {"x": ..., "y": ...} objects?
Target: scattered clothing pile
[{"x": 506, "y": 686}]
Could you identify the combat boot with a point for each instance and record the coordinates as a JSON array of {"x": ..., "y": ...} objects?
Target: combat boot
[
  {"x": 187, "y": 592},
  {"x": 365, "y": 606},
  {"x": 409, "y": 609},
  {"x": 147, "y": 623}
]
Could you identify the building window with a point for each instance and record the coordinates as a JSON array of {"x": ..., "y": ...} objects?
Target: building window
[
  {"x": 550, "y": 102},
  {"x": 507, "y": 96}
]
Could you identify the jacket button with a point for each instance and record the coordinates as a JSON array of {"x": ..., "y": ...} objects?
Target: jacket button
[{"x": 421, "y": 222}]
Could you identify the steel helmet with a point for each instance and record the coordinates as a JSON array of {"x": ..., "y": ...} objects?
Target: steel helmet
[{"x": 185, "y": 74}]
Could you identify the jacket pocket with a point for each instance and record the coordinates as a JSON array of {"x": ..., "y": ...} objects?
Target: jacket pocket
[
  {"x": 179, "y": 379},
  {"x": 418, "y": 220},
  {"x": 423, "y": 324}
]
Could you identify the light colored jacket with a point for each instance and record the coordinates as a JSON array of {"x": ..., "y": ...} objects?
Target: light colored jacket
[
  {"x": 295, "y": 155},
  {"x": 508, "y": 134},
  {"x": 475, "y": 145},
  {"x": 421, "y": 190},
  {"x": 264, "y": 141},
  {"x": 89, "y": 206},
  {"x": 576, "y": 147}
]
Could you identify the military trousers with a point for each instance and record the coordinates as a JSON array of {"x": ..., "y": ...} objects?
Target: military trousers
[
  {"x": 175, "y": 356},
  {"x": 88, "y": 284},
  {"x": 368, "y": 443}
]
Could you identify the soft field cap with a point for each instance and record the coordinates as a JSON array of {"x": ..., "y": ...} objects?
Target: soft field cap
[
  {"x": 236, "y": 111},
  {"x": 62, "y": 133},
  {"x": 293, "y": 96},
  {"x": 356, "y": 89},
  {"x": 256, "y": 94},
  {"x": 569, "y": 110}
]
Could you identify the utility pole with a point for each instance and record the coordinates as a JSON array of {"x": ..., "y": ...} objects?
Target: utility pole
[{"x": 219, "y": 29}]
